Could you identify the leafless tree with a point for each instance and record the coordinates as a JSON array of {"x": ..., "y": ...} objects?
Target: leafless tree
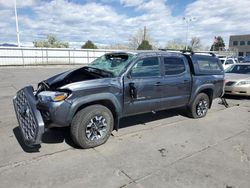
[
  {"x": 175, "y": 44},
  {"x": 136, "y": 39},
  {"x": 118, "y": 46},
  {"x": 195, "y": 43},
  {"x": 50, "y": 42}
]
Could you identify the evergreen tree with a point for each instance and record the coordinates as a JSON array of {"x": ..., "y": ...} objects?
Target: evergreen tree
[
  {"x": 145, "y": 46},
  {"x": 89, "y": 45},
  {"x": 218, "y": 44}
]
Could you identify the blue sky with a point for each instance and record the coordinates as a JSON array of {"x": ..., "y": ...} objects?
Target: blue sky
[{"x": 110, "y": 22}]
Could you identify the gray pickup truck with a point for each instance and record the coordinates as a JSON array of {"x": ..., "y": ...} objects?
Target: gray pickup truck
[{"x": 93, "y": 99}]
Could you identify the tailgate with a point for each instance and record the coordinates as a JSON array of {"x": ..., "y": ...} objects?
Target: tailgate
[{"x": 28, "y": 116}]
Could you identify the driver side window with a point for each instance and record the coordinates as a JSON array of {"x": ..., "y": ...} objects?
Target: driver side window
[{"x": 146, "y": 67}]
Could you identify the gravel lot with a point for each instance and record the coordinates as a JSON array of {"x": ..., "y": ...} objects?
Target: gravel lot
[{"x": 165, "y": 149}]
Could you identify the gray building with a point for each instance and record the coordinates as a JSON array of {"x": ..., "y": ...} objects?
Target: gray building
[{"x": 241, "y": 43}]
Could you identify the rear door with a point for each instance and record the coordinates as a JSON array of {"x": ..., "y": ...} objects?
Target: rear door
[
  {"x": 176, "y": 82},
  {"x": 142, "y": 91}
]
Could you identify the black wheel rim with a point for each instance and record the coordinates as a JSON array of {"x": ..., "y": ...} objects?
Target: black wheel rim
[
  {"x": 96, "y": 128},
  {"x": 202, "y": 107}
]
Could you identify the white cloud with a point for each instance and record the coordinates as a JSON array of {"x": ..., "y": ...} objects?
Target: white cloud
[
  {"x": 102, "y": 23},
  {"x": 225, "y": 17},
  {"x": 131, "y": 3},
  {"x": 19, "y": 3},
  {"x": 69, "y": 21}
]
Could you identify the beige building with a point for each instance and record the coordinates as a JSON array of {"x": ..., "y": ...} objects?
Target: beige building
[{"x": 241, "y": 43}]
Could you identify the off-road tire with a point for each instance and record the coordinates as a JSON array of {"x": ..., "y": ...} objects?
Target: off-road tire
[
  {"x": 82, "y": 119},
  {"x": 193, "y": 110}
]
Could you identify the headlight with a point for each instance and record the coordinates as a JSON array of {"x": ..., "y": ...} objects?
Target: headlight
[
  {"x": 246, "y": 82},
  {"x": 52, "y": 96}
]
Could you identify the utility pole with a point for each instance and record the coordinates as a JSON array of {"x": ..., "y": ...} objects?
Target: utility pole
[
  {"x": 17, "y": 29},
  {"x": 187, "y": 20}
]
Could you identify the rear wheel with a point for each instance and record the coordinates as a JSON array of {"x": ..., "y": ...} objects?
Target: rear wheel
[
  {"x": 199, "y": 107},
  {"x": 92, "y": 126}
]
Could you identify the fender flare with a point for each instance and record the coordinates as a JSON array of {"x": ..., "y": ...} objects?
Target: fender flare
[
  {"x": 93, "y": 98},
  {"x": 199, "y": 89}
]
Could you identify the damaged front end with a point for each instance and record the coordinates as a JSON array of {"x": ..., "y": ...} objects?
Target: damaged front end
[
  {"x": 50, "y": 105},
  {"x": 47, "y": 106},
  {"x": 37, "y": 110},
  {"x": 30, "y": 120}
]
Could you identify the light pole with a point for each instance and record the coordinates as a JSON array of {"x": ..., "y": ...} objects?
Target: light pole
[
  {"x": 187, "y": 20},
  {"x": 17, "y": 29}
]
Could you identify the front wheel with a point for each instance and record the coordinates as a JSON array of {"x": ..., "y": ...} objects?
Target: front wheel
[
  {"x": 199, "y": 107},
  {"x": 92, "y": 126}
]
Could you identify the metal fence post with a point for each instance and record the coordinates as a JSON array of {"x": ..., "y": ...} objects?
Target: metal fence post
[
  {"x": 88, "y": 56},
  {"x": 22, "y": 55},
  {"x": 47, "y": 56},
  {"x": 69, "y": 56},
  {"x": 42, "y": 54}
]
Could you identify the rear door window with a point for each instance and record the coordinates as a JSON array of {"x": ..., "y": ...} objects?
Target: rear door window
[{"x": 173, "y": 65}]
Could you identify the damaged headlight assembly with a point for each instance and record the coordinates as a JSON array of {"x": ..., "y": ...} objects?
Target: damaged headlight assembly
[{"x": 52, "y": 96}]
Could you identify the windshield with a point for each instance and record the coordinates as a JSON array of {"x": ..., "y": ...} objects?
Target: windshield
[
  {"x": 114, "y": 63},
  {"x": 239, "y": 69}
]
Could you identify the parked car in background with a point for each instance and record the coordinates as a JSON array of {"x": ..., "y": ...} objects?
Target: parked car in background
[
  {"x": 247, "y": 59},
  {"x": 228, "y": 61},
  {"x": 241, "y": 59},
  {"x": 237, "y": 79}
]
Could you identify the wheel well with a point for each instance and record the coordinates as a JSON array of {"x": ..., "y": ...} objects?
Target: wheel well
[
  {"x": 209, "y": 93},
  {"x": 106, "y": 103}
]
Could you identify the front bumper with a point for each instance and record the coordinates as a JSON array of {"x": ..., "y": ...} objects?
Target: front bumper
[{"x": 29, "y": 118}]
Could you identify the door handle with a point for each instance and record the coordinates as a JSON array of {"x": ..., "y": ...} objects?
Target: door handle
[{"x": 158, "y": 84}]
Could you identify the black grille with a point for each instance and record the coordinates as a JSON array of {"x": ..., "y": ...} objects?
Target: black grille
[
  {"x": 25, "y": 116},
  {"x": 29, "y": 118},
  {"x": 230, "y": 83}
]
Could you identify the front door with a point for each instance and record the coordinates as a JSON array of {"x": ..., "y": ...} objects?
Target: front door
[{"x": 142, "y": 91}]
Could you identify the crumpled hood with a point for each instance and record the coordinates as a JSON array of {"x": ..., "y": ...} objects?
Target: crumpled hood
[
  {"x": 68, "y": 77},
  {"x": 236, "y": 77},
  {"x": 59, "y": 77}
]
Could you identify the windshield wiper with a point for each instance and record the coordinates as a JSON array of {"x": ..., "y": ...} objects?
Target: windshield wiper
[{"x": 99, "y": 71}]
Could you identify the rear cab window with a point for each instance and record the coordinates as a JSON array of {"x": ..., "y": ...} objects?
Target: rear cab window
[{"x": 207, "y": 65}]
